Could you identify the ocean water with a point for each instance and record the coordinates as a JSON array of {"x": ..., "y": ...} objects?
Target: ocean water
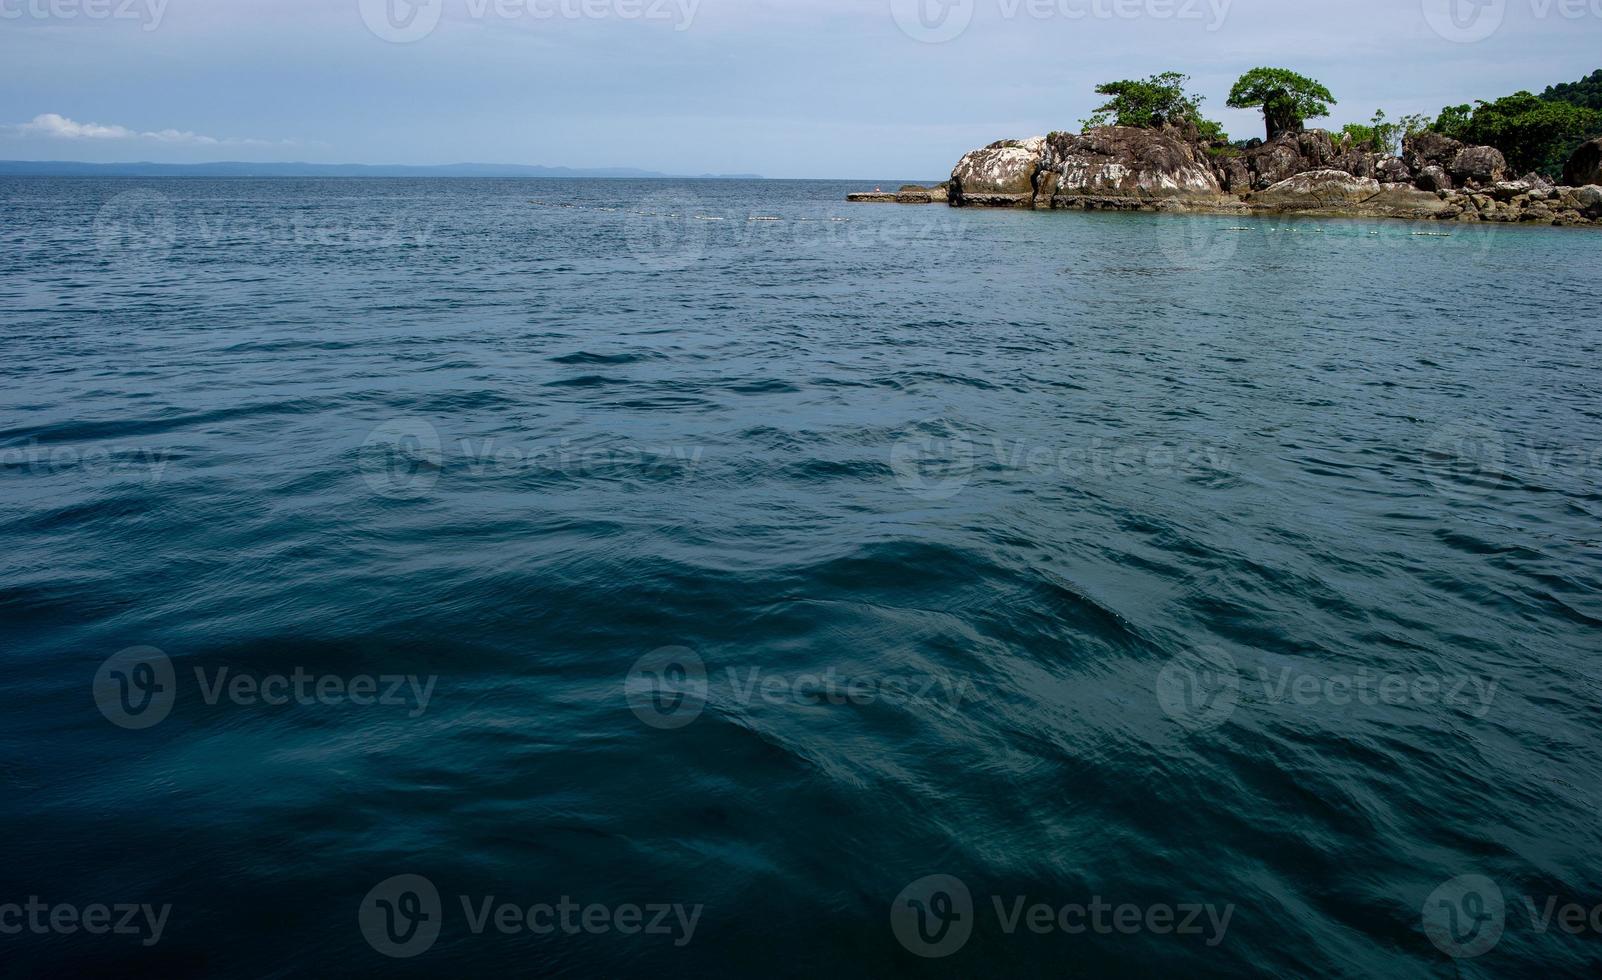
[{"x": 581, "y": 578}]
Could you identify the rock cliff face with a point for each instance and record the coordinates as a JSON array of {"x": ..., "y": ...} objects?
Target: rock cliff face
[
  {"x": 1117, "y": 167},
  {"x": 1121, "y": 162},
  {"x": 1000, "y": 175}
]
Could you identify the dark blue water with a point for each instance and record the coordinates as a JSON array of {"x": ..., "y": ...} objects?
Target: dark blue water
[{"x": 1228, "y": 591}]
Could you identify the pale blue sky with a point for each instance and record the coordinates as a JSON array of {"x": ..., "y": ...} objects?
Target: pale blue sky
[{"x": 785, "y": 88}]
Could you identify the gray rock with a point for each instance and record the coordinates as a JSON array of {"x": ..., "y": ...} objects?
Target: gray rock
[
  {"x": 1507, "y": 190},
  {"x": 1478, "y": 165},
  {"x": 1427, "y": 149},
  {"x": 1318, "y": 190},
  {"x": 1588, "y": 200},
  {"x": 1336, "y": 191},
  {"x": 1585, "y": 166},
  {"x": 1391, "y": 170},
  {"x": 1434, "y": 178},
  {"x": 1000, "y": 175},
  {"x": 1290, "y": 154},
  {"x": 1124, "y": 162}
]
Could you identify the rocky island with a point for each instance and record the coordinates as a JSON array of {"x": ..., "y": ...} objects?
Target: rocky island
[{"x": 1175, "y": 161}]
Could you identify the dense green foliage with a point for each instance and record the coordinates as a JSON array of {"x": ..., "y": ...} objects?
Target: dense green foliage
[
  {"x": 1585, "y": 93},
  {"x": 1534, "y": 133},
  {"x": 1379, "y": 136},
  {"x": 1287, "y": 99},
  {"x": 1150, "y": 103}
]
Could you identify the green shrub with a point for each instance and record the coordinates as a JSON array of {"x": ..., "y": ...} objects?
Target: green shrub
[
  {"x": 1380, "y": 136},
  {"x": 1533, "y": 133},
  {"x": 1150, "y": 103}
]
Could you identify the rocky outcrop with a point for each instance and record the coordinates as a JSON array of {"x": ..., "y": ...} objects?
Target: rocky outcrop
[
  {"x": 1390, "y": 170},
  {"x": 1327, "y": 191},
  {"x": 1266, "y": 165},
  {"x": 1318, "y": 190},
  {"x": 1428, "y": 149},
  {"x": 1586, "y": 200},
  {"x": 1000, "y": 175},
  {"x": 1170, "y": 169},
  {"x": 1433, "y": 178},
  {"x": 1124, "y": 162},
  {"x": 1585, "y": 166},
  {"x": 909, "y": 194},
  {"x": 1478, "y": 165}
]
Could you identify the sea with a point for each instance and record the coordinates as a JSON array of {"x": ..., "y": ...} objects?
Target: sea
[{"x": 612, "y": 578}]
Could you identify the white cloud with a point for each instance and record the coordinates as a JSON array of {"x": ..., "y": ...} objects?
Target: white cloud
[{"x": 55, "y": 126}]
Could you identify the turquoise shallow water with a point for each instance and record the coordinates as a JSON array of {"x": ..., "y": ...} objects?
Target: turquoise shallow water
[{"x": 761, "y": 570}]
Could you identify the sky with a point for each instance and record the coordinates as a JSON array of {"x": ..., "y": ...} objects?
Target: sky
[{"x": 874, "y": 89}]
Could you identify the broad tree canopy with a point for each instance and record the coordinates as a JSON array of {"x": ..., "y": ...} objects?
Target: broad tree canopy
[{"x": 1287, "y": 99}]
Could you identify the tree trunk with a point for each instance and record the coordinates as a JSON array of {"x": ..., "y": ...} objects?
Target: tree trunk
[{"x": 1280, "y": 122}]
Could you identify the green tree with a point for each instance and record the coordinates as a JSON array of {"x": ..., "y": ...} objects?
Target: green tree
[
  {"x": 1287, "y": 99},
  {"x": 1585, "y": 93},
  {"x": 1151, "y": 103},
  {"x": 1380, "y": 136},
  {"x": 1454, "y": 121},
  {"x": 1532, "y": 132}
]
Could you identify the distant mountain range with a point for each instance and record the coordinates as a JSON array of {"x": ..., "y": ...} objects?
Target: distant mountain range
[{"x": 55, "y": 168}]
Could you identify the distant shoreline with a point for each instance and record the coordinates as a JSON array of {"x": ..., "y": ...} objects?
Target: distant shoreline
[{"x": 64, "y": 168}]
